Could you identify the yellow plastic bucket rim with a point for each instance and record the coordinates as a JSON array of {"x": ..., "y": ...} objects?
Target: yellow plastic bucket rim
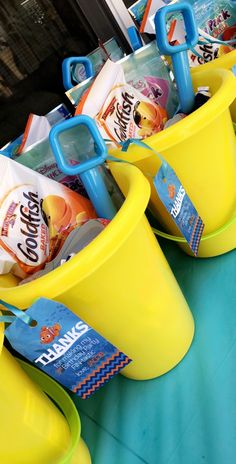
[
  {"x": 63, "y": 401},
  {"x": 209, "y": 236},
  {"x": 200, "y": 118},
  {"x": 2, "y": 326},
  {"x": 226, "y": 61},
  {"x": 98, "y": 251}
]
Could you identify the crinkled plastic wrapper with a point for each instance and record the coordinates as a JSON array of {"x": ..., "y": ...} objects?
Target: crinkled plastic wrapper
[
  {"x": 216, "y": 21},
  {"x": 36, "y": 216},
  {"x": 121, "y": 111}
]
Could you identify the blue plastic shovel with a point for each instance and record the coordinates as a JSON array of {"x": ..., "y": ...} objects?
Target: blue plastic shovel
[
  {"x": 179, "y": 53},
  {"x": 88, "y": 170}
]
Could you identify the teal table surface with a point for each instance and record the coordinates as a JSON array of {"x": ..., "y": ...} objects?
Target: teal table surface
[{"x": 187, "y": 416}]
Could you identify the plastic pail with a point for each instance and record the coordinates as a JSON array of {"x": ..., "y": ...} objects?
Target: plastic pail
[
  {"x": 227, "y": 62},
  {"x": 78, "y": 452},
  {"x": 122, "y": 285},
  {"x": 202, "y": 150},
  {"x": 33, "y": 430}
]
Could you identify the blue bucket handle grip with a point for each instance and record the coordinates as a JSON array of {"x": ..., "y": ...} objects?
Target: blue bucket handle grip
[
  {"x": 100, "y": 146},
  {"x": 179, "y": 53},
  {"x": 67, "y": 67},
  {"x": 190, "y": 26},
  {"x": 88, "y": 170}
]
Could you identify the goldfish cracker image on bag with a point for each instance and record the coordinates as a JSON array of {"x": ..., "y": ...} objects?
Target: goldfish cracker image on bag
[
  {"x": 120, "y": 110},
  {"x": 36, "y": 216}
]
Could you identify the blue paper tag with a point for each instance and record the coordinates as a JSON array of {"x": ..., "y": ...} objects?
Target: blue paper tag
[
  {"x": 175, "y": 199},
  {"x": 66, "y": 348}
]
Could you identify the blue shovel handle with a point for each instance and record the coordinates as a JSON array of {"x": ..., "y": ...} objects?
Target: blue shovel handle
[
  {"x": 135, "y": 38},
  {"x": 67, "y": 65},
  {"x": 179, "y": 53},
  {"x": 88, "y": 170}
]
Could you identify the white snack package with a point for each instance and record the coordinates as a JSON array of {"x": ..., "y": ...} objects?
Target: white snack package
[
  {"x": 120, "y": 110},
  {"x": 36, "y": 216}
]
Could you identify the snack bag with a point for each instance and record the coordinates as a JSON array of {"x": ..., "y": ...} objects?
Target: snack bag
[
  {"x": 37, "y": 129},
  {"x": 216, "y": 17},
  {"x": 98, "y": 58},
  {"x": 152, "y": 7},
  {"x": 120, "y": 110},
  {"x": 137, "y": 10},
  {"x": 205, "y": 51},
  {"x": 36, "y": 216},
  {"x": 78, "y": 239},
  {"x": 145, "y": 70},
  {"x": 216, "y": 21}
]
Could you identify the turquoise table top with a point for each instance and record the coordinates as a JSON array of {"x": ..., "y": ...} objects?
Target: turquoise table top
[{"x": 187, "y": 416}]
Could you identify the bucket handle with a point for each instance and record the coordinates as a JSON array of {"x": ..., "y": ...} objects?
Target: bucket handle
[
  {"x": 63, "y": 401},
  {"x": 174, "y": 238}
]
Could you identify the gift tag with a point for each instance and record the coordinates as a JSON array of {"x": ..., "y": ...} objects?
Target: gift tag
[
  {"x": 174, "y": 197},
  {"x": 66, "y": 348}
]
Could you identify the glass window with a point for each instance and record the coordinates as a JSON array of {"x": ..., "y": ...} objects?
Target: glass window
[{"x": 35, "y": 36}]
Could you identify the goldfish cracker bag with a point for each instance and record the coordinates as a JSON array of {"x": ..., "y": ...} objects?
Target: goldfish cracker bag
[
  {"x": 120, "y": 110},
  {"x": 206, "y": 50},
  {"x": 36, "y": 216},
  {"x": 146, "y": 71}
]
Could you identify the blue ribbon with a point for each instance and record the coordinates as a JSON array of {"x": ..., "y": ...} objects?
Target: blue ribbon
[
  {"x": 17, "y": 314},
  {"x": 207, "y": 41},
  {"x": 125, "y": 145}
]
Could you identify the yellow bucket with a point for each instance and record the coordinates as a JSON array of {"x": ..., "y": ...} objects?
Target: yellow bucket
[
  {"x": 32, "y": 428},
  {"x": 122, "y": 285},
  {"x": 78, "y": 451},
  {"x": 202, "y": 150},
  {"x": 226, "y": 62}
]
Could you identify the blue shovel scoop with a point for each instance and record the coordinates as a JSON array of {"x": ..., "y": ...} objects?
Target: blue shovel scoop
[
  {"x": 88, "y": 170},
  {"x": 179, "y": 53}
]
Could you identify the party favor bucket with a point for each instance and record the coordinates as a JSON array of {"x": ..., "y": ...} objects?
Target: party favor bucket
[
  {"x": 33, "y": 430},
  {"x": 227, "y": 62},
  {"x": 122, "y": 286},
  {"x": 78, "y": 452},
  {"x": 202, "y": 150}
]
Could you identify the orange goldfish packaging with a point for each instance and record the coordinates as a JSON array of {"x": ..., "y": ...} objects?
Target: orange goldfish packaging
[
  {"x": 36, "y": 216},
  {"x": 120, "y": 110}
]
